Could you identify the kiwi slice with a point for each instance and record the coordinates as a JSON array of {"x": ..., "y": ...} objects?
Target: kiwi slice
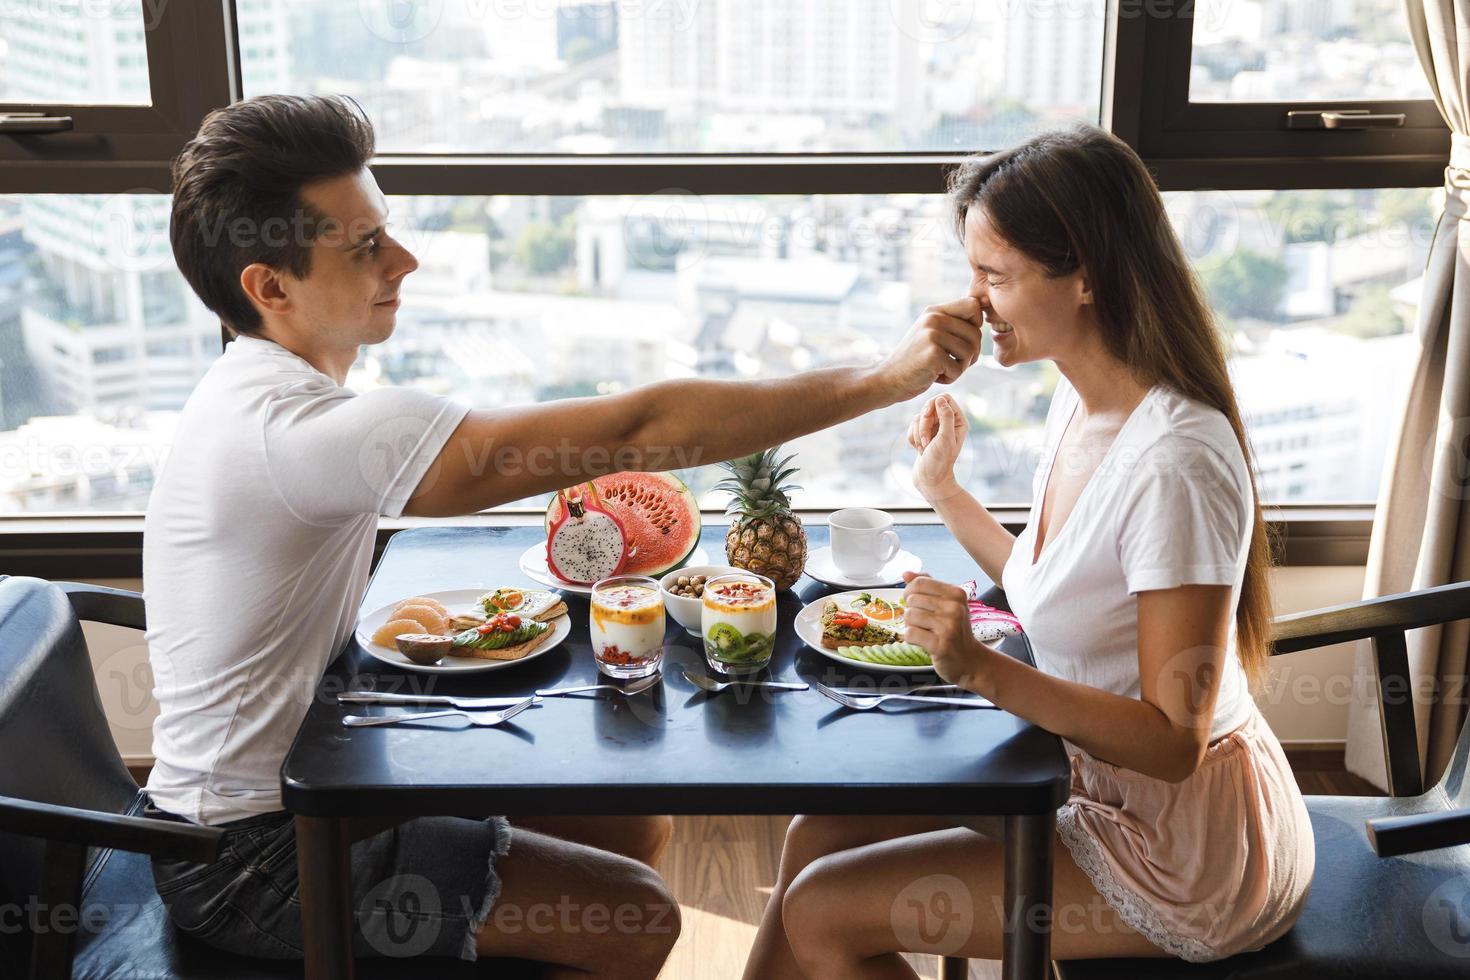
[
  {"x": 726, "y": 639},
  {"x": 757, "y": 645}
]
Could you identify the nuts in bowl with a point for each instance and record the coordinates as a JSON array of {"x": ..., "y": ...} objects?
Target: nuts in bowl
[
  {"x": 691, "y": 586},
  {"x": 683, "y": 591}
]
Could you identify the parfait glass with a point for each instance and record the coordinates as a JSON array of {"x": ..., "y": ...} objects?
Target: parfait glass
[
  {"x": 627, "y": 626},
  {"x": 738, "y": 623}
]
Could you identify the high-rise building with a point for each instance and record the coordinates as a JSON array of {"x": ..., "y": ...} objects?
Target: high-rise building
[
  {"x": 1053, "y": 56},
  {"x": 805, "y": 57},
  {"x": 108, "y": 323}
]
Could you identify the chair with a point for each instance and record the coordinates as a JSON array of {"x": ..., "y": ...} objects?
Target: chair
[
  {"x": 1390, "y": 903},
  {"x": 71, "y": 835}
]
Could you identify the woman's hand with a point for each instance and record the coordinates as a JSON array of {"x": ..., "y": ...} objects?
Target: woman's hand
[
  {"x": 938, "y": 434},
  {"x": 938, "y": 618}
]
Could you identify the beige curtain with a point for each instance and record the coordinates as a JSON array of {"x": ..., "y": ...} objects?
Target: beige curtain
[{"x": 1421, "y": 535}]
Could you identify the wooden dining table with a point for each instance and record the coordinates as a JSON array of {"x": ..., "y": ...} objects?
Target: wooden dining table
[{"x": 673, "y": 750}]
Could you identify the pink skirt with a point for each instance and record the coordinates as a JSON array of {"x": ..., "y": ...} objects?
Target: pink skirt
[{"x": 1217, "y": 864}]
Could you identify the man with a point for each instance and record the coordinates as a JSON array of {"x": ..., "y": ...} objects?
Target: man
[{"x": 260, "y": 532}]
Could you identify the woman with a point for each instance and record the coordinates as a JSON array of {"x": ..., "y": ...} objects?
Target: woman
[{"x": 1141, "y": 580}]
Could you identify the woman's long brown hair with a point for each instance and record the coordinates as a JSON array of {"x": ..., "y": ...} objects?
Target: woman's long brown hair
[{"x": 1081, "y": 198}]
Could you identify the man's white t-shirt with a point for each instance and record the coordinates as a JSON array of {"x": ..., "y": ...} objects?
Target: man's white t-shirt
[
  {"x": 1170, "y": 504},
  {"x": 256, "y": 550}
]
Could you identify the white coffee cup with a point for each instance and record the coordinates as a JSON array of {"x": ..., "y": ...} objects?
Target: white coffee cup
[{"x": 863, "y": 540}]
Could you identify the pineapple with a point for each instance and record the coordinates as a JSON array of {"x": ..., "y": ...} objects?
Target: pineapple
[{"x": 765, "y": 537}]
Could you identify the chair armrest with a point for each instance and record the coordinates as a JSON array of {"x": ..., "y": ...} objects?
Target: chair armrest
[
  {"x": 99, "y": 604},
  {"x": 1392, "y": 836},
  {"x": 143, "y": 835},
  {"x": 1369, "y": 617}
]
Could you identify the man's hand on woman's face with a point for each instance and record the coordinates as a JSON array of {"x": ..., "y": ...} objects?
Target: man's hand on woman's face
[
  {"x": 938, "y": 348},
  {"x": 938, "y": 435}
]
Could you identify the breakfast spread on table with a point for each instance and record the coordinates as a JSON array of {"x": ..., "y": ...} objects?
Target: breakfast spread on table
[{"x": 624, "y": 540}]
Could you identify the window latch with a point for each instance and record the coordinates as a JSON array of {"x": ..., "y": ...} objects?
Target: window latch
[
  {"x": 13, "y": 123},
  {"x": 1343, "y": 119}
]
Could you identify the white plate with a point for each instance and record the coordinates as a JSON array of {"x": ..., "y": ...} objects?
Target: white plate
[
  {"x": 533, "y": 565},
  {"x": 458, "y": 602},
  {"x": 819, "y": 565},
  {"x": 809, "y": 628}
]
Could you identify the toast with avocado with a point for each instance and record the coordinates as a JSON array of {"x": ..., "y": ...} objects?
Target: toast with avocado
[
  {"x": 849, "y": 629},
  {"x": 503, "y": 637}
]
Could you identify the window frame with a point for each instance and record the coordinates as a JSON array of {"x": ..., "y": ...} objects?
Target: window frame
[
  {"x": 116, "y": 148},
  {"x": 194, "y": 67},
  {"x": 1246, "y": 145}
]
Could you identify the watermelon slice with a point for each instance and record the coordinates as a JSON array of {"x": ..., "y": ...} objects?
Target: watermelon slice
[{"x": 659, "y": 515}]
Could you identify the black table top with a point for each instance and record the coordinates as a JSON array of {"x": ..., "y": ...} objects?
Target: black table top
[{"x": 675, "y": 750}]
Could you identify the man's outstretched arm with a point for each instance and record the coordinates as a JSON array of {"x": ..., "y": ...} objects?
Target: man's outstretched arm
[{"x": 494, "y": 457}]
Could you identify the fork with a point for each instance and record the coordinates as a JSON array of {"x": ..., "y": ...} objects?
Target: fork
[
  {"x": 384, "y": 697},
  {"x": 485, "y": 719},
  {"x": 908, "y": 690},
  {"x": 715, "y": 687},
  {"x": 860, "y": 702}
]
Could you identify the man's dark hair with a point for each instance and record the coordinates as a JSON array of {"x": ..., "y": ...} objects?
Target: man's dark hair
[{"x": 237, "y": 191}]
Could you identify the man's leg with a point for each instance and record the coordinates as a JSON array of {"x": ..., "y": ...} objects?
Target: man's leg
[
  {"x": 640, "y": 838},
  {"x": 584, "y": 911}
]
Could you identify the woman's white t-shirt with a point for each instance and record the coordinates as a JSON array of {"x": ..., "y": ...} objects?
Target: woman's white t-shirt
[{"x": 1170, "y": 504}]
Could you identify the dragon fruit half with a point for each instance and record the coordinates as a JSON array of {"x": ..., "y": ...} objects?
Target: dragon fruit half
[{"x": 588, "y": 543}]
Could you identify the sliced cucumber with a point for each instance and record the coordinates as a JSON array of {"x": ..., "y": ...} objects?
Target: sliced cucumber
[{"x": 890, "y": 654}]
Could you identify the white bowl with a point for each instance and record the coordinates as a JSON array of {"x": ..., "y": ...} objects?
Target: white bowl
[{"x": 688, "y": 612}]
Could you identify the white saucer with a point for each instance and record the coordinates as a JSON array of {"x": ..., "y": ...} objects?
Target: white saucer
[
  {"x": 819, "y": 565},
  {"x": 533, "y": 566}
]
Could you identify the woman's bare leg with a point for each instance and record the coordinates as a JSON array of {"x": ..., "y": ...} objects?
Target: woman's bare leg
[
  {"x": 848, "y": 914},
  {"x": 808, "y": 839},
  {"x": 588, "y": 913}
]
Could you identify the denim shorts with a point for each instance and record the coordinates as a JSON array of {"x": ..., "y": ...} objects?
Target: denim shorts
[{"x": 423, "y": 888}]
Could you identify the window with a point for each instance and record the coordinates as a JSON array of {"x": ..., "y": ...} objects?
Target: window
[
  {"x": 106, "y": 80},
  {"x": 86, "y": 405},
  {"x": 1279, "y": 51},
  {"x": 1333, "y": 86},
  {"x": 717, "y": 76},
  {"x": 724, "y": 189},
  {"x": 58, "y": 53}
]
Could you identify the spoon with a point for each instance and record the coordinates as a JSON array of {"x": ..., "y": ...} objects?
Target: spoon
[{"x": 715, "y": 687}]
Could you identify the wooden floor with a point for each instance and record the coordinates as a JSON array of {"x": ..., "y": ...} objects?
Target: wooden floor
[{"x": 721, "y": 869}]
